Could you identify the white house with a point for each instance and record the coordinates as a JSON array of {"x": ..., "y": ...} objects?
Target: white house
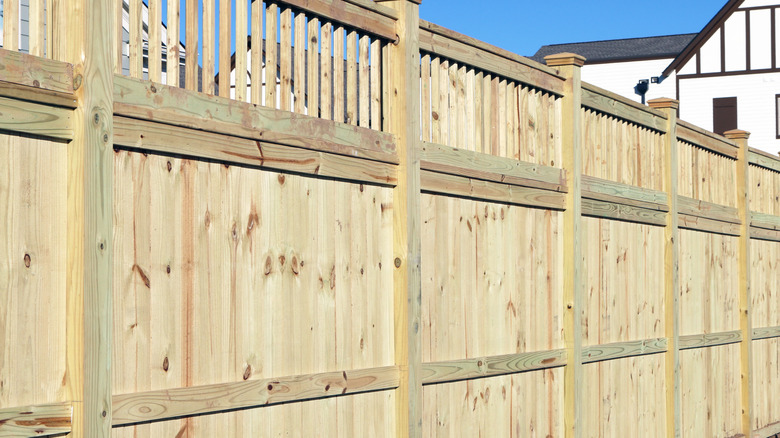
[{"x": 726, "y": 76}]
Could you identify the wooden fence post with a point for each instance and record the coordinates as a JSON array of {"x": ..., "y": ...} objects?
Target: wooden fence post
[
  {"x": 671, "y": 267},
  {"x": 402, "y": 96},
  {"x": 89, "y": 44},
  {"x": 570, "y": 66},
  {"x": 745, "y": 314}
]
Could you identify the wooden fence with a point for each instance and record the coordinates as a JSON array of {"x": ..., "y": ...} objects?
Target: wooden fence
[{"x": 441, "y": 238}]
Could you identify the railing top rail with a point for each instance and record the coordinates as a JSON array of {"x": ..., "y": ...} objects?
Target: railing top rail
[
  {"x": 764, "y": 159},
  {"x": 450, "y": 44},
  {"x": 365, "y": 15},
  {"x": 621, "y": 107},
  {"x": 705, "y": 139}
]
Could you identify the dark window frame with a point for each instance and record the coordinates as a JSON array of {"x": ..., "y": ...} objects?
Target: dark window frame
[{"x": 724, "y": 118}]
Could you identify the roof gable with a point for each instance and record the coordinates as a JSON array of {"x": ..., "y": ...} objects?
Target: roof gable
[{"x": 702, "y": 37}]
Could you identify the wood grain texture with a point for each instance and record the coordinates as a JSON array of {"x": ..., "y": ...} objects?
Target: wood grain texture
[
  {"x": 763, "y": 190},
  {"x": 622, "y": 151},
  {"x": 609, "y": 191},
  {"x": 174, "y": 106},
  {"x": 618, "y": 106},
  {"x": 689, "y": 342},
  {"x": 204, "y": 262},
  {"x": 150, "y": 136},
  {"x": 496, "y": 406},
  {"x": 766, "y": 332},
  {"x": 708, "y": 225},
  {"x": 619, "y": 350},
  {"x": 766, "y": 377},
  {"x": 758, "y": 158},
  {"x": 623, "y": 262},
  {"x": 765, "y": 283},
  {"x": 706, "y": 176},
  {"x": 624, "y": 396},
  {"x": 463, "y": 369},
  {"x": 196, "y": 400},
  {"x": 766, "y": 221},
  {"x": 707, "y": 210},
  {"x": 32, "y": 271},
  {"x": 32, "y": 118},
  {"x": 89, "y": 45},
  {"x": 710, "y": 409},
  {"x": 444, "y": 159},
  {"x": 435, "y": 182},
  {"x": 38, "y": 420},
  {"x": 376, "y": 20},
  {"x": 708, "y": 294},
  {"x": 704, "y": 139},
  {"x": 33, "y": 71},
  {"x": 601, "y": 209}
]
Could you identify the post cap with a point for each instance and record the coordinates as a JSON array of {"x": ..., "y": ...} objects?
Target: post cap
[
  {"x": 736, "y": 134},
  {"x": 663, "y": 103},
  {"x": 560, "y": 59}
]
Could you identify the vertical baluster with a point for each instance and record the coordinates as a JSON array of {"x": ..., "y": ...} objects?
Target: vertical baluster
[
  {"x": 191, "y": 61},
  {"x": 224, "y": 47},
  {"x": 155, "y": 46},
  {"x": 285, "y": 57},
  {"x": 136, "y": 43},
  {"x": 256, "y": 64},
  {"x": 376, "y": 84},
  {"x": 172, "y": 57},
  {"x": 299, "y": 64},
  {"x": 271, "y": 16},
  {"x": 326, "y": 72},
  {"x": 313, "y": 59},
  {"x": 352, "y": 95},
  {"x": 338, "y": 75},
  {"x": 364, "y": 103},
  {"x": 241, "y": 49}
]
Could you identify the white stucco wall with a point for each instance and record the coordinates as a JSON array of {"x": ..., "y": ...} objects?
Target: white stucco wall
[
  {"x": 755, "y": 104},
  {"x": 621, "y": 77}
]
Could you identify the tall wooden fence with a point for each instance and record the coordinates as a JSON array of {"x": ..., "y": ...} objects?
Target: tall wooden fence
[{"x": 391, "y": 229}]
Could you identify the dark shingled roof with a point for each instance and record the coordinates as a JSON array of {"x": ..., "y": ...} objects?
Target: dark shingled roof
[{"x": 620, "y": 50}]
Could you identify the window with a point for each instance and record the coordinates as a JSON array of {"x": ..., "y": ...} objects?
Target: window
[
  {"x": 724, "y": 114},
  {"x": 777, "y": 114}
]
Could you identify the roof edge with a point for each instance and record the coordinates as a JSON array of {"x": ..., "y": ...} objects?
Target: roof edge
[{"x": 703, "y": 36}]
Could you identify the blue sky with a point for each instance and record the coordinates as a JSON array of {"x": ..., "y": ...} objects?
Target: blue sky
[{"x": 522, "y": 26}]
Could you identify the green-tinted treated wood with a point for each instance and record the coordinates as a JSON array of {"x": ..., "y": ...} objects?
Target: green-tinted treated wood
[
  {"x": 37, "y": 95},
  {"x": 622, "y": 212},
  {"x": 708, "y": 225},
  {"x": 745, "y": 313},
  {"x": 619, "y": 350},
  {"x": 46, "y": 74},
  {"x": 766, "y": 332},
  {"x": 457, "y": 51},
  {"x": 168, "y": 139},
  {"x": 445, "y": 159},
  {"x": 32, "y": 118},
  {"x": 434, "y": 182},
  {"x": 766, "y": 221},
  {"x": 401, "y": 100},
  {"x": 175, "y": 106},
  {"x": 42, "y": 420},
  {"x": 769, "y": 431},
  {"x": 351, "y": 14},
  {"x": 710, "y": 340},
  {"x": 90, "y": 46},
  {"x": 453, "y": 370},
  {"x": 706, "y": 140},
  {"x": 614, "y": 192},
  {"x": 707, "y": 210},
  {"x": 570, "y": 66},
  {"x": 762, "y": 159},
  {"x": 207, "y": 399},
  {"x": 764, "y": 234},
  {"x": 610, "y": 103}
]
